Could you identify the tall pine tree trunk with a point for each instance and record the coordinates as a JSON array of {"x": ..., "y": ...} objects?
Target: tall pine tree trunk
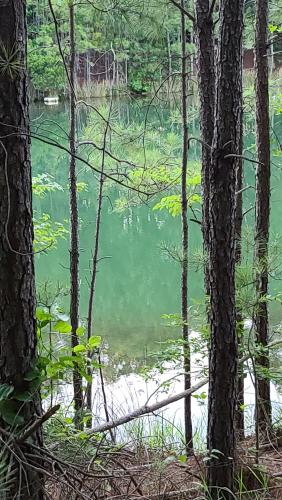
[
  {"x": 223, "y": 349},
  {"x": 17, "y": 286},
  {"x": 184, "y": 262},
  {"x": 263, "y": 410},
  {"x": 206, "y": 81},
  {"x": 74, "y": 249}
]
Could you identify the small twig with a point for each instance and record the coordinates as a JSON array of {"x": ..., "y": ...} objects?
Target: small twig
[{"x": 231, "y": 155}]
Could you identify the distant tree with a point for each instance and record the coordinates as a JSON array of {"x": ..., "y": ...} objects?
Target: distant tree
[
  {"x": 223, "y": 346},
  {"x": 74, "y": 221},
  {"x": 17, "y": 289},
  {"x": 263, "y": 410},
  {"x": 185, "y": 235}
]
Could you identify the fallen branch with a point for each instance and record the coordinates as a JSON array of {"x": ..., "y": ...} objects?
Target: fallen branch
[
  {"x": 146, "y": 409},
  {"x": 143, "y": 410}
]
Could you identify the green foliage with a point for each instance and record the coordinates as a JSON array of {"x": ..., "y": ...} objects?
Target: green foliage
[
  {"x": 142, "y": 35},
  {"x": 171, "y": 203},
  {"x": 43, "y": 184},
  {"x": 46, "y": 232},
  {"x": 5, "y": 391},
  {"x": 44, "y": 61},
  {"x": 61, "y": 359},
  {"x": 275, "y": 29},
  {"x": 9, "y": 412},
  {"x": 62, "y": 327}
]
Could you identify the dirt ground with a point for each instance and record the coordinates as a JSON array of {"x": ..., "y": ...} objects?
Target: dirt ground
[{"x": 121, "y": 475}]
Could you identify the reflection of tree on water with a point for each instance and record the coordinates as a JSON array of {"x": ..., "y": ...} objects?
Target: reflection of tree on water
[{"x": 138, "y": 279}]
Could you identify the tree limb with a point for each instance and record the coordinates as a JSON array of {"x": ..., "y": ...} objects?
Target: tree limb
[
  {"x": 190, "y": 17},
  {"x": 146, "y": 409}
]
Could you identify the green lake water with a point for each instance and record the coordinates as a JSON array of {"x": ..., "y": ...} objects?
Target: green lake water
[{"x": 137, "y": 283}]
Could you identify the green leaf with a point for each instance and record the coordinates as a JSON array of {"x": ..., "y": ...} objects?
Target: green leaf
[
  {"x": 194, "y": 181},
  {"x": 80, "y": 331},
  {"x": 43, "y": 362},
  {"x": 94, "y": 342},
  {"x": 171, "y": 203},
  {"x": 9, "y": 413},
  {"x": 81, "y": 186},
  {"x": 5, "y": 391},
  {"x": 68, "y": 420},
  {"x": 95, "y": 364},
  {"x": 32, "y": 374},
  {"x": 182, "y": 459},
  {"x": 83, "y": 435},
  {"x": 194, "y": 198},
  {"x": 62, "y": 327},
  {"x": 79, "y": 348},
  {"x": 42, "y": 315},
  {"x": 23, "y": 396}
]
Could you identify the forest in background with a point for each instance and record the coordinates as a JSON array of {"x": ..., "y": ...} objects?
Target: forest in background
[
  {"x": 192, "y": 54},
  {"x": 144, "y": 38}
]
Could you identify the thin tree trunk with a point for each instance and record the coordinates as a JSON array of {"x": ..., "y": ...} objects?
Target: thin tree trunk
[
  {"x": 206, "y": 80},
  {"x": 263, "y": 411},
  {"x": 240, "y": 427},
  {"x": 184, "y": 277},
  {"x": 17, "y": 284},
  {"x": 169, "y": 83},
  {"x": 94, "y": 268},
  {"x": 223, "y": 350},
  {"x": 93, "y": 286},
  {"x": 74, "y": 250}
]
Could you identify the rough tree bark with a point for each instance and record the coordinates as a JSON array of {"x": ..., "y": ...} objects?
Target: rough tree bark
[
  {"x": 263, "y": 410},
  {"x": 17, "y": 286},
  {"x": 74, "y": 222},
  {"x": 206, "y": 79},
  {"x": 184, "y": 263},
  {"x": 223, "y": 349}
]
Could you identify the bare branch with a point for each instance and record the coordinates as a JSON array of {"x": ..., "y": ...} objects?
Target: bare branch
[
  {"x": 146, "y": 409},
  {"x": 190, "y": 17}
]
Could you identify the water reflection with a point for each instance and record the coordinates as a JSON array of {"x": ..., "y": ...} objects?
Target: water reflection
[{"x": 136, "y": 284}]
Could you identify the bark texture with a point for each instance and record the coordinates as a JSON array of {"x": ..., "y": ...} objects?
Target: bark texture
[
  {"x": 184, "y": 263},
  {"x": 223, "y": 349},
  {"x": 74, "y": 250},
  {"x": 206, "y": 80},
  {"x": 17, "y": 284},
  {"x": 263, "y": 410}
]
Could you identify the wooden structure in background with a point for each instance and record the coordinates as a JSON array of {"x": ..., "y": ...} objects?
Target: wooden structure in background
[{"x": 95, "y": 67}]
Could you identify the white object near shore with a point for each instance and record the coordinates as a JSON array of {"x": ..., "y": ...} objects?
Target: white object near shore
[{"x": 51, "y": 101}]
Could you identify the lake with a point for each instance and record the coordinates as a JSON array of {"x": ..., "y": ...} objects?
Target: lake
[{"x": 137, "y": 283}]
